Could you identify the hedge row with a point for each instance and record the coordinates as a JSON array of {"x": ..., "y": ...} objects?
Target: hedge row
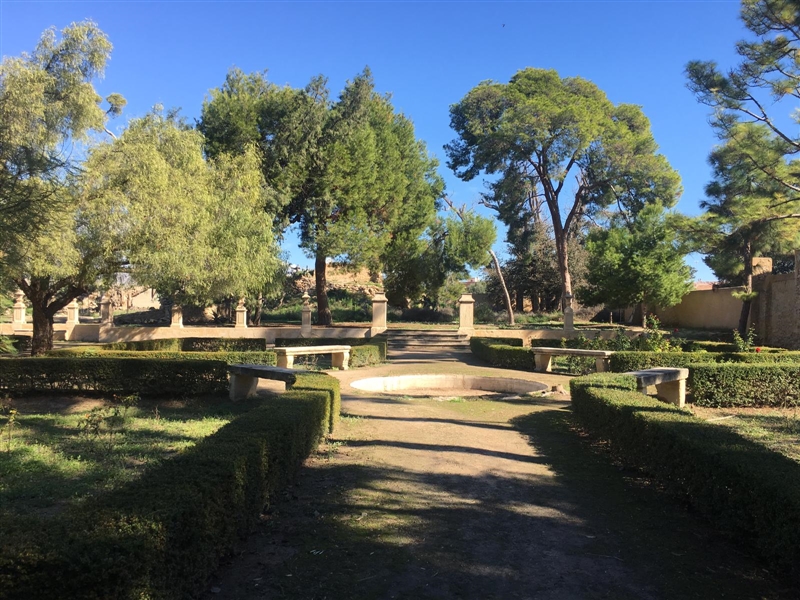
[
  {"x": 499, "y": 354},
  {"x": 622, "y": 362},
  {"x": 329, "y": 385},
  {"x": 358, "y": 358},
  {"x": 726, "y": 385},
  {"x": 749, "y": 490},
  {"x": 146, "y": 376},
  {"x": 231, "y": 358},
  {"x": 192, "y": 345},
  {"x": 162, "y": 535}
]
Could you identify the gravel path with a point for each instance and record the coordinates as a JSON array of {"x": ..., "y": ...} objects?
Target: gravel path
[{"x": 478, "y": 498}]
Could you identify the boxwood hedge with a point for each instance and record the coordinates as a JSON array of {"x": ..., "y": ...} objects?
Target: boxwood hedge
[
  {"x": 327, "y": 384},
  {"x": 251, "y": 358},
  {"x": 363, "y": 352},
  {"x": 504, "y": 353},
  {"x": 749, "y": 490},
  {"x": 192, "y": 345},
  {"x": 162, "y": 535},
  {"x": 146, "y": 376},
  {"x": 726, "y": 385}
]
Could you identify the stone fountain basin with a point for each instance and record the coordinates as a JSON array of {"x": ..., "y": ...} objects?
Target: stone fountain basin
[{"x": 408, "y": 384}]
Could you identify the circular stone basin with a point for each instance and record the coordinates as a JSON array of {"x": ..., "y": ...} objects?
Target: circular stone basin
[{"x": 408, "y": 384}]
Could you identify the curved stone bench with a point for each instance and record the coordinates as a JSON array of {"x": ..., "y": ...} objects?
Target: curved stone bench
[{"x": 670, "y": 383}]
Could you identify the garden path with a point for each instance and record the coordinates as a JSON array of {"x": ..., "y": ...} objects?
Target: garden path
[{"x": 478, "y": 498}]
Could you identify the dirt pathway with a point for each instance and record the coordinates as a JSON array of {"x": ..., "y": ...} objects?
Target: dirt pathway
[{"x": 477, "y": 498}]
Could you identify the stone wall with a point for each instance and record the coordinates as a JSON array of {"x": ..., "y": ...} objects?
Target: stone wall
[
  {"x": 774, "y": 311},
  {"x": 704, "y": 309}
]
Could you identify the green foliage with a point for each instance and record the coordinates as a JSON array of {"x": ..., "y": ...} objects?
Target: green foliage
[
  {"x": 7, "y": 345},
  {"x": 503, "y": 353},
  {"x": 540, "y": 131},
  {"x": 746, "y": 344},
  {"x": 638, "y": 360},
  {"x": 725, "y": 385},
  {"x": 146, "y": 376},
  {"x": 327, "y": 384},
  {"x": 48, "y": 107},
  {"x": 637, "y": 261},
  {"x": 267, "y": 358},
  {"x": 192, "y": 229},
  {"x": 165, "y": 345},
  {"x": 747, "y": 489},
  {"x": 162, "y": 535}
]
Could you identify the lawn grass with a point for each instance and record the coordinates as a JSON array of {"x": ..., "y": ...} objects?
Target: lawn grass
[
  {"x": 776, "y": 428},
  {"x": 61, "y": 451}
]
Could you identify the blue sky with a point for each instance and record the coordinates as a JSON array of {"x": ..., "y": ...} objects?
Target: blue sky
[{"x": 427, "y": 54}]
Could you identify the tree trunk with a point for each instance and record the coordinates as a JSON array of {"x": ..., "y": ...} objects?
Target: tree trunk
[
  {"x": 42, "y": 328},
  {"x": 519, "y": 299},
  {"x": 563, "y": 266},
  {"x": 324, "y": 317},
  {"x": 257, "y": 312},
  {"x": 643, "y": 310},
  {"x": 505, "y": 289},
  {"x": 744, "y": 316}
]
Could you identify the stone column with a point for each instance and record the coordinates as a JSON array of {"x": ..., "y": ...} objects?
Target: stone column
[
  {"x": 241, "y": 315},
  {"x": 379, "y": 303},
  {"x": 305, "y": 317},
  {"x": 20, "y": 317},
  {"x": 106, "y": 311},
  {"x": 73, "y": 314},
  {"x": 176, "y": 317},
  {"x": 569, "y": 315},
  {"x": 466, "y": 314}
]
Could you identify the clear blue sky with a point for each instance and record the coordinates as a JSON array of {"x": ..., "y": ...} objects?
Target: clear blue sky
[{"x": 427, "y": 54}]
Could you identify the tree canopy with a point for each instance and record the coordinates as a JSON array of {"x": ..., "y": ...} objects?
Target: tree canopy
[
  {"x": 563, "y": 141},
  {"x": 48, "y": 105},
  {"x": 348, "y": 172}
]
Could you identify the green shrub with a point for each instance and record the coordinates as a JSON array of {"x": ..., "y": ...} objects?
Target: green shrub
[
  {"x": 499, "y": 354},
  {"x": 162, "y": 535},
  {"x": 749, "y": 490},
  {"x": 322, "y": 382},
  {"x": 232, "y": 358},
  {"x": 726, "y": 385},
  {"x": 166, "y": 345},
  {"x": 7, "y": 346},
  {"x": 146, "y": 376},
  {"x": 223, "y": 344},
  {"x": 622, "y": 362},
  {"x": 365, "y": 358}
]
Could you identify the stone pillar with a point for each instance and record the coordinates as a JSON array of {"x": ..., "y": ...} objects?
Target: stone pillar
[
  {"x": 466, "y": 314},
  {"x": 20, "y": 317},
  {"x": 176, "y": 317},
  {"x": 569, "y": 315},
  {"x": 305, "y": 317},
  {"x": 73, "y": 314},
  {"x": 106, "y": 311},
  {"x": 379, "y": 303},
  {"x": 241, "y": 315}
]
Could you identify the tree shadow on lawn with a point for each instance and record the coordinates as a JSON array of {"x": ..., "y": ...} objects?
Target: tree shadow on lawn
[{"x": 349, "y": 529}]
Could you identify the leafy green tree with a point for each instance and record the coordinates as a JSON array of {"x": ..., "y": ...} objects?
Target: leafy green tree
[
  {"x": 567, "y": 143},
  {"x": 48, "y": 109},
  {"x": 761, "y": 88},
  {"x": 349, "y": 173},
  {"x": 193, "y": 229},
  {"x": 749, "y": 212},
  {"x": 638, "y": 262}
]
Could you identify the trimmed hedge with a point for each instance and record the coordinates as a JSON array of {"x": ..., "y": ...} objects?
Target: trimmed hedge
[
  {"x": 726, "y": 385},
  {"x": 191, "y": 345},
  {"x": 749, "y": 490},
  {"x": 622, "y": 362},
  {"x": 327, "y": 384},
  {"x": 499, "y": 354},
  {"x": 358, "y": 357},
  {"x": 251, "y": 358},
  {"x": 147, "y": 376},
  {"x": 162, "y": 535}
]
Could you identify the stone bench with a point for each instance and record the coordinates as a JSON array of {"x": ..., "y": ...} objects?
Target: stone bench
[
  {"x": 542, "y": 357},
  {"x": 244, "y": 378},
  {"x": 340, "y": 355},
  {"x": 670, "y": 383}
]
